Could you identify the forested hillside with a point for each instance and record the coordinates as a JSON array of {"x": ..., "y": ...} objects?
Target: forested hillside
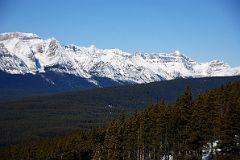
[
  {"x": 208, "y": 126},
  {"x": 35, "y": 118}
]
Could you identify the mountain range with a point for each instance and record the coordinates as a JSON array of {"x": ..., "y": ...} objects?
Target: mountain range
[{"x": 71, "y": 66}]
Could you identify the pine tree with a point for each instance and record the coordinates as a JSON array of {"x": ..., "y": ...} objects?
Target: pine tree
[
  {"x": 230, "y": 130},
  {"x": 185, "y": 105},
  {"x": 198, "y": 126},
  {"x": 114, "y": 140}
]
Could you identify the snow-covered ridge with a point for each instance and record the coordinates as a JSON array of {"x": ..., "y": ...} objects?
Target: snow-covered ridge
[{"x": 22, "y": 53}]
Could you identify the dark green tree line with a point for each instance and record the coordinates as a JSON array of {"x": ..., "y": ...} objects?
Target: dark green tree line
[{"x": 192, "y": 127}]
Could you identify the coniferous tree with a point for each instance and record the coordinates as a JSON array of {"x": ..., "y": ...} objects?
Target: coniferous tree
[
  {"x": 229, "y": 143},
  {"x": 185, "y": 105}
]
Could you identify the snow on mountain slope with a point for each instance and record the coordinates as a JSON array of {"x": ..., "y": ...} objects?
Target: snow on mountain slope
[{"x": 22, "y": 53}]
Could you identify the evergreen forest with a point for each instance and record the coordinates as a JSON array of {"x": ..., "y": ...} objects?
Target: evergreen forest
[{"x": 191, "y": 128}]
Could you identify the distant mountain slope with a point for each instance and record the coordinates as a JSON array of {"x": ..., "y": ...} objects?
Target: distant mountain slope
[
  {"x": 133, "y": 96},
  {"x": 44, "y": 116},
  {"x": 28, "y": 54},
  {"x": 17, "y": 86}
]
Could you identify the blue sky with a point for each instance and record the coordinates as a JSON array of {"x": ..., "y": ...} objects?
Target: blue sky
[{"x": 201, "y": 29}]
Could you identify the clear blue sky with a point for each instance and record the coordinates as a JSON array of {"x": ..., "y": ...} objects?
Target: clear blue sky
[{"x": 201, "y": 29}]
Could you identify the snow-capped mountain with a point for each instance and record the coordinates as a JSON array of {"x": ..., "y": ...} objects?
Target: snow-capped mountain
[{"x": 22, "y": 53}]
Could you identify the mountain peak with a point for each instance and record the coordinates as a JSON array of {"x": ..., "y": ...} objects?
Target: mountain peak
[
  {"x": 92, "y": 46},
  {"x": 177, "y": 52},
  {"x": 20, "y": 35}
]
